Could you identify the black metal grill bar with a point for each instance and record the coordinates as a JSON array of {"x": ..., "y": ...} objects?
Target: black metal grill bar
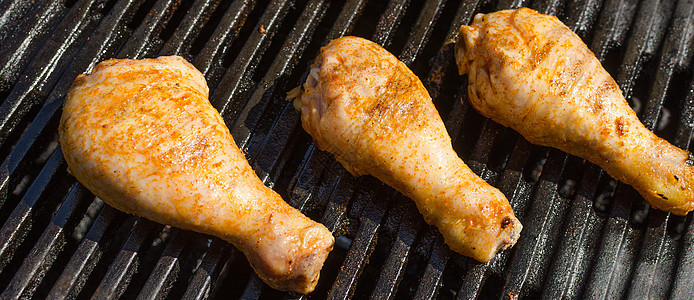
[
  {"x": 363, "y": 243},
  {"x": 190, "y": 27},
  {"x": 120, "y": 275},
  {"x": 541, "y": 227},
  {"x": 356, "y": 269},
  {"x": 422, "y": 30},
  {"x": 655, "y": 259},
  {"x": 86, "y": 256},
  {"x": 43, "y": 254},
  {"x": 265, "y": 156},
  {"x": 208, "y": 272},
  {"x": 140, "y": 36},
  {"x": 454, "y": 120},
  {"x": 478, "y": 162},
  {"x": 512, "y": 184},
  {"x": 431, "y": 278},
  {"x": 392, "y": 271},
  {"x": 582, "y": 15},
  {"x": 615, "y": 21},
  {"x": 339, "y": 196},
  {"x": 472, "y": 281},
  {"x": 306, "y": 182},
  {"x": 104, "y": 36},
  {"x": 616, "y": 250},
  {"x": 43, "y": 74},
  {"x": 508, "y": 4},
  {"x": 620, "y": 240},
  {"x": 674, "y": 50},
  {"x": 684, "y": 281},
  {"x": 350, "y": 287},
  {"x": 17, "y": 225},
  {"x": 243, "y": 129},
  {"x": 167, "y": 269},
  {"x": 437, "y": 74},
  {"x": 684, "y": 56},
  {"x": 479, "y": 159},
  {"x": 389, "y": 21},
  {"x": 150, "y": 28},
  {"x": 567, "y": 274},
  {"x": 579, "y": 235},
  {"x": 122, "y": 268},
  {"x": 31, "y": 31},
  {"x": 164, "y": 273},
  {"x": 253, "y": 288},
  {"x": 576, "y": 248},
  {"x": 10, "y": 13},
  {"x": 652, "y": 274},
  {"x": 233, "y": 81},
  {"x": 55, "y": 48},
  {"x": 648, "y": 30},
  {"x": 225, "y": 34},
  {"x": 548, "y": 7},
  {"x": 344, "y": 23}
]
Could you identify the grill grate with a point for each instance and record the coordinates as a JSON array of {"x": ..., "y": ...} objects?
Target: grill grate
[{"x": 585, "y": 235}]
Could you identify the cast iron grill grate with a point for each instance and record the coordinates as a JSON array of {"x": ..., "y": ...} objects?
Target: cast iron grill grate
[{"x": 585, "y": 235}]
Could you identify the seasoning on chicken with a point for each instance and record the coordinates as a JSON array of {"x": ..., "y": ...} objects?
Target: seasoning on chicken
[
  {"x": 367, "y": 108},
  {"x": 142, "y": 136},
  {"x": 530, "y": 72}
]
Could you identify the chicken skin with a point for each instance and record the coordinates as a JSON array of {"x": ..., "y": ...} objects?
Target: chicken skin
[
  {"x": 530, "y": 72},
  {"x": 142, "y": 136},
  {"x": 367, "y": 108}
]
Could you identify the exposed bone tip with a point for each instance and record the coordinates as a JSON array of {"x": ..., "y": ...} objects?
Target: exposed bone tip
[{"x": 467, "y": 38}]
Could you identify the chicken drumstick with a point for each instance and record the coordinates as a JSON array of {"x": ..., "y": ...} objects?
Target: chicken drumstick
[
  {"x": 530, "y": 72},
  {"x": 367, "y": 108},
  {"x": 142, "y": 136}
]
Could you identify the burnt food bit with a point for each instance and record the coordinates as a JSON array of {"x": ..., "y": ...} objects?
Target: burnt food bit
[{"x": 505, "y": 222}]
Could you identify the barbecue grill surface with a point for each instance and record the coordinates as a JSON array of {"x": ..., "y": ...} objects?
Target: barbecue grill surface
[{"x": 585, "y": 235}]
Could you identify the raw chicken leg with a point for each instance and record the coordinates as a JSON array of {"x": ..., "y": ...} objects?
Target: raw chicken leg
[
  {"x": 528, "y": 71},
  {"x": 142, "y": 136},
  {"x": 367, "y": 108}
]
